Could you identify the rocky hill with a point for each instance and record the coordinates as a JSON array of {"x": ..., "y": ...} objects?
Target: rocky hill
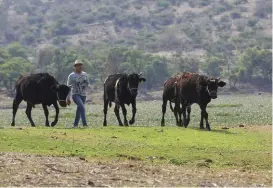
[{"x": 156, "y": 26}]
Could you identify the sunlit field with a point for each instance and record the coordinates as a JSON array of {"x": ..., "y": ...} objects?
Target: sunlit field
[
  {"x": 224, "y": 111},
  {"x": 240, "y": 140}
]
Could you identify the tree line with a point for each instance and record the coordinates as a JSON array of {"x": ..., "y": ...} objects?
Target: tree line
[{"x": 253, "y": 65}]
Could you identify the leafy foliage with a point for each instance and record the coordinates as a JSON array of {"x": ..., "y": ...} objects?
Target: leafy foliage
[{"x": 122, "y": 36}]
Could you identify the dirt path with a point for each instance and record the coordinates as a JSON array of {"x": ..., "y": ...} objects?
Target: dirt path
[{"x": 33, "y": 170}]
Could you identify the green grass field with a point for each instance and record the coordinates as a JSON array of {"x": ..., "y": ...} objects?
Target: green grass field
[
  {"x": 224, "y": 111},
  {"x": 219, "y": 148},
  {"x": 248, "y": 147}
]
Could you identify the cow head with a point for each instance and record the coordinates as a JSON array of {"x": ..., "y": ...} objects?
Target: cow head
[
  {"x": 61, "y": 92},
  {"x": 133, "y": 81},
  {"x": 212, "y": 86}
]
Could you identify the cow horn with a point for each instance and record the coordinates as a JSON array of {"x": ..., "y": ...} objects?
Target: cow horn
[{"x": 140, "y": 73}]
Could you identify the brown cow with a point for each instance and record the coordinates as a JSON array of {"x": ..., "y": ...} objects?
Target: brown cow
[
  {"x": 200, "y": 89},
  {"x": 170, "y": 94}
]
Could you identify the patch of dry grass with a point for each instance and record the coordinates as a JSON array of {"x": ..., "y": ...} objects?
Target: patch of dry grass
[{"x": 34, "y": 170}]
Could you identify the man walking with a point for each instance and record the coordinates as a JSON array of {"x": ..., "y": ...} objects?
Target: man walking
[{"x": 79, "y": 82}]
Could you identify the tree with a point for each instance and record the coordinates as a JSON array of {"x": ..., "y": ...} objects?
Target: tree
[
  {"x": 3, "y": 53},
  {"x": 135, "y": 60},
  {"x": 17, "y": 50},
  {"x": 62, "y": 64},
  {"x": 11, "y": 69},
  {"x": 255, "y": 62},
  {"x": 44, "y": 58},
  {"x": 212, "y": 65},
  {"x": 263, "y": 8},
  {"x": 184, "y": 63},
  {"x": 114, "y": 60}
]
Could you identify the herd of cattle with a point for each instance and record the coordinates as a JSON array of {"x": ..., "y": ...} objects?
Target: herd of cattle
[{"x": 183, "y": 90}]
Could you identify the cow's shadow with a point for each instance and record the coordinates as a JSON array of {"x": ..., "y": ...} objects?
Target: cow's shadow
[{"x": 222, "y": 131}]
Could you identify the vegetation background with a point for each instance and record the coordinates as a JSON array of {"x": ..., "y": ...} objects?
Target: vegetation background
[{"x": 227, "y": 38}]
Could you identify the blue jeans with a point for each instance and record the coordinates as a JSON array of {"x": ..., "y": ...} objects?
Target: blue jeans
[{"x": 80, "y": 113}]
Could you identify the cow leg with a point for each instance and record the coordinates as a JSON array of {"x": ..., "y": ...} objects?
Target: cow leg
[
  {"x": 163, "y": 112},
  {"x": 57, "y": 109},
  {"x": 15, "y": 105},
  {"x": 204, "y": 114},
  {"x": 189, "y": 115},
  {"x": 46, "y": 115},
  {"x": 124, "y": 111},
  {"x": 117, "y": 114},
  {"x": 184, "y": 106},
  {"x": 28, "y": 112},
  {"x": 132, "y": 121},
  {"x": 106, "y": 102},
  {"x": 177, "y": 113}
]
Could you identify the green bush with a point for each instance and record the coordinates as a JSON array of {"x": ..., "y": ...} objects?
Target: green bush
[
  {"x": 87, "y": 18},
  {"x": 164, "y": 18},
  {"x": 27, "y": 39},
  {"x": 252, "y": 22},
  {"x": 64, "y": 27},
  {"x": 17, "y": 50},
  {"x": 163, "y": 3},
  {"x": 235, "y": 15},
  {"x": 35, "y": 19}
]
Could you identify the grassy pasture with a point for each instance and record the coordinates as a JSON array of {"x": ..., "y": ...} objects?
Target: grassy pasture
[
  {"x": 227, "y": 146},
  {"x": 224, "y": 111}
]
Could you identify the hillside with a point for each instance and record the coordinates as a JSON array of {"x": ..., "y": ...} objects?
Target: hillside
[
  {"x": 156, "y": 26},
  {"x": 231, "y": 38}
]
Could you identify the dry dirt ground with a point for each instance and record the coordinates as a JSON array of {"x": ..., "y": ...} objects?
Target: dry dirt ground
[{"x": 35, "y": 170}]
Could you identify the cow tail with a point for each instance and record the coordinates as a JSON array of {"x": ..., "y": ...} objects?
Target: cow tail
[{"x": 171, "y": 107}]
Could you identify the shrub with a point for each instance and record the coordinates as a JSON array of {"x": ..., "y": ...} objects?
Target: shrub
[
  {"x": 87, "y": 18},
  {"x": 235, "y": 15},
  {"x": 163, "y": 3},
  {"x": 252, "y": 22}
]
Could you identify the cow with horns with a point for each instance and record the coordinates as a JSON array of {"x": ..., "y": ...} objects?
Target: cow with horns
[
  {"x": 121, "y": 89},
  {"x": 200, "y": 89},
  {"x": 42, "y": 89}
]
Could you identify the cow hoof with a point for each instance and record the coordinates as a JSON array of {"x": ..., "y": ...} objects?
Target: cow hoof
[
  {"x": 121, "y": 124},
  {"x": 131, "y": 122},
  {"x": 104, "y": 123},
  {"x": 33, "y": 126},
  {"x": 162, "y": 124},
  {"x": 47, "y": 125},
  {"x": 202, "y": 128},
  {"x": 53, "y": 124},
  {"x": 12, "y": 124}
]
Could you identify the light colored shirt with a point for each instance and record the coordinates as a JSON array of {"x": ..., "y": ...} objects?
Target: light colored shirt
[{"x": 79, "y": 83}]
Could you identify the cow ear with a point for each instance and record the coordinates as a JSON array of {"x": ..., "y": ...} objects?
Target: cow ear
[
  {"x": 142, "y": 80},
  {"x": 221, "y": 84},
  {"x": 140, "y": 73}
]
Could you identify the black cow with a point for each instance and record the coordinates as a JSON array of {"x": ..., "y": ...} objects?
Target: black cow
[
  {"x": 200, "y": 89},
  {"x": 121, "y": 89},
  {"x": 42, "y": 89},
  {"x": 170, "y": 94}
]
